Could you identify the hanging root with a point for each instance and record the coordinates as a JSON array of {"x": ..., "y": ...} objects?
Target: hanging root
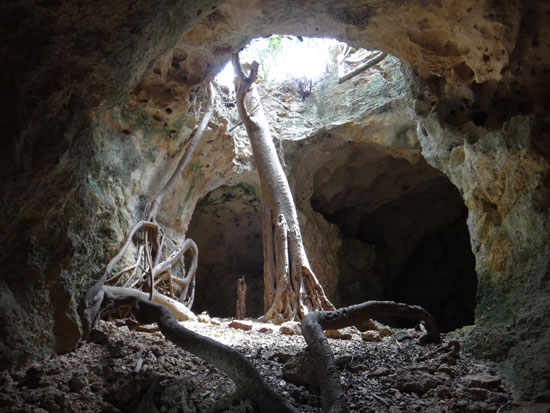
[
  {"x": 150, "y": 273},
  {"x": 249, "y": 383},
  {"x": 314, "y": 323}
]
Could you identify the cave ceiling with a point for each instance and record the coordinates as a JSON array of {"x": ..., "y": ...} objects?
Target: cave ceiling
[{"x": 100, "y": 96}]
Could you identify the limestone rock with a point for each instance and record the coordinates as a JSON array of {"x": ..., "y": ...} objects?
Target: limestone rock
[
  {"x": 78, "y": 380},
  {"x": 204, "y": 317},
  {"x": 241, "y": 325},
  {"x": 483, "y": 381},
  {"x": 290, "y": 328},
  {"x": 418, "y": 382},
  {"x": 342, "y": 334},
  {"x": 371, "y": 336},
  {"x": 300, "y": 370}
]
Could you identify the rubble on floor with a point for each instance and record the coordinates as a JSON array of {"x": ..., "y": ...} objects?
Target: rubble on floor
[{"x": 125, "y": 369}]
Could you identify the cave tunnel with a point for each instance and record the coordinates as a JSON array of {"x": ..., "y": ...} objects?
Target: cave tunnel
[
  {"x": 403, "y": 228},
  {"x": 227, "y": 227},
  {"x": 404, "y": 234}
]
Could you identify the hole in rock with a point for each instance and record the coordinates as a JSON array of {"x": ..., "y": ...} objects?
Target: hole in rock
[
  {"x": 284, "y": 57},
  {"x": 227, "y": 227},
  {"x": 405, "y": 233}
]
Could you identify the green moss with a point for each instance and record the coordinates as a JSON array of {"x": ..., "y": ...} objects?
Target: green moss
[
  {"x": 196, "y": 166},
  {"x": 197, "y": 176},
  {"x": 152, "y": 153}
]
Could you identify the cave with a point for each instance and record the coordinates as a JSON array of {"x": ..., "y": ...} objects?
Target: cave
[
  {"x": 227, "y": 227},
  {"x": 404, "y": 232},
  {"x": 425, "y": 179}
]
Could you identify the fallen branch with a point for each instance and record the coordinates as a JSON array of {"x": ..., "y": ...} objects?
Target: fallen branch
[
  {"x": 377, "y": 58},
  {"x": 248, "y": 381},
  {"x": 314, "y": 323}
]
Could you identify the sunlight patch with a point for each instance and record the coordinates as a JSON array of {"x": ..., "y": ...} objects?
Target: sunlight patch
[{"x": 282, "y": 57}]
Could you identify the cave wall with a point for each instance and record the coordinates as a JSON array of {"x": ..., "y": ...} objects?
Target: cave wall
[{"x": 73, "y": 180}]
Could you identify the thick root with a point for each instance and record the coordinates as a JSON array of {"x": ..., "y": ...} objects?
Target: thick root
[
  {"x": 249, "y": 383},
  {"x": 180, "y": 311},
  {"x": 314, "y": 323}
]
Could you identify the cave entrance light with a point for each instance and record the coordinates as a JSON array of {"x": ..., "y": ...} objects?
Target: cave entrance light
[{"x": 282, "y": 57}]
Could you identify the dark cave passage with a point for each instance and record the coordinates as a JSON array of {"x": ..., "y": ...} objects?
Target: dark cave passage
[
  {"x": 404, "y": 238},
  {"x": 405, "y": 234},
  {"x": 227, "y": 227}
]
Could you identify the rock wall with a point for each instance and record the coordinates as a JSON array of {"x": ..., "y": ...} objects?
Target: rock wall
[{"x": 94, "y": 92}]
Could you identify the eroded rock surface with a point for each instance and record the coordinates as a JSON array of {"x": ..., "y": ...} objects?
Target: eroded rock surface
[{"x": 99, "y": 99}]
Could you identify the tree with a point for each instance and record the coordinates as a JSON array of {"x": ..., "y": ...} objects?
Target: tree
[
  {"x": 291, "y": 289},
  {"x": 152, "y": 266},
  {"x": 155, "y": 260}
]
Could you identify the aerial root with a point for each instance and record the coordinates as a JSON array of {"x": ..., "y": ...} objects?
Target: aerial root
[{"x": 249, "y": 383}]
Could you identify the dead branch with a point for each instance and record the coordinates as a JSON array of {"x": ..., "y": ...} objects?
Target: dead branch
[
  {"x": 240, "y": 310},
  {"x": 377, "y": 58},
  {"x": 314, "y": 323},
  {"x": 249, "y": 383}
]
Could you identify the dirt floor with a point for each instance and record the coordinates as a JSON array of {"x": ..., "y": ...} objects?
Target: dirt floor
[{"x": 383, "y": 370}]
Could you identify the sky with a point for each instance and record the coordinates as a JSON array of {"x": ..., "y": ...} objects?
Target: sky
[{"x": 291, "y": 59}]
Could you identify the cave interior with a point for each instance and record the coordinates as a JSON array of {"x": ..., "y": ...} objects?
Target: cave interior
[
  {"x": 425, "y": 180},
  {"x": 404, "y": 235}
]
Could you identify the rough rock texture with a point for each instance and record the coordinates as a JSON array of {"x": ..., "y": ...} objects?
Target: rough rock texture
[
  {"x": 353, "y": 159},
  {"x": 93, "y": 93}
]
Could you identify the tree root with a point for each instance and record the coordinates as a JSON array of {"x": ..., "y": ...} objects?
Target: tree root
[
  {"x": 314, "y": 323},
  {"x": 181, "y": 312},
  {"x": 248, "y": 381}
]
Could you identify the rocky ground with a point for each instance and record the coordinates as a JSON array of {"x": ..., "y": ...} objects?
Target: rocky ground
[{"x": 125, "y": 369}]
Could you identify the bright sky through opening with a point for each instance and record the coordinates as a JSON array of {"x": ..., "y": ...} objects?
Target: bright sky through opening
[{"x": 283, "y": 57}]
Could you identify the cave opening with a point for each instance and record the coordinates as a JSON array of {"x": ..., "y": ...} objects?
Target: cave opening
[
  {"x": 402, "y": 223},
  {"x": 227, "y": 227},
  {"x": 404, "y": 233}
]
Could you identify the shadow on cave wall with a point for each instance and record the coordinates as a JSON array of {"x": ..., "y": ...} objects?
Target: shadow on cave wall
[
  {"x": 227, "y": 227},
  {"x": 404, "y": 237},
  {"x": 404, "y": 234}
]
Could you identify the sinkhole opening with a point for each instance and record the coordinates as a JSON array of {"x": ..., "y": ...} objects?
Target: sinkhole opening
[
  {"x": 404, "y": 233},
  {"x": 283, "y": 57}
]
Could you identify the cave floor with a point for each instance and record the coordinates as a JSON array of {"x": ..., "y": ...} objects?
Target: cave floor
[{"x": 128, "y": 370}]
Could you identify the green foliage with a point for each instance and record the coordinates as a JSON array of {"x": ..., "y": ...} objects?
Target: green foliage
[{"x": 268, "y": 52}]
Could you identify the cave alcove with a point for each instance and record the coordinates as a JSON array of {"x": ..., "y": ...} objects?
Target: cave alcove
[
  {"x": 404, "y": 233},
  {"x": 479, "y": 82},
  {"x": 227, "y": 227}
]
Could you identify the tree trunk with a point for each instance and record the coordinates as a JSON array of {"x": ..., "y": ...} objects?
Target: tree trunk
[
  {"x": 240, "y": 310},
  {"x": 292, "y": 290}
]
